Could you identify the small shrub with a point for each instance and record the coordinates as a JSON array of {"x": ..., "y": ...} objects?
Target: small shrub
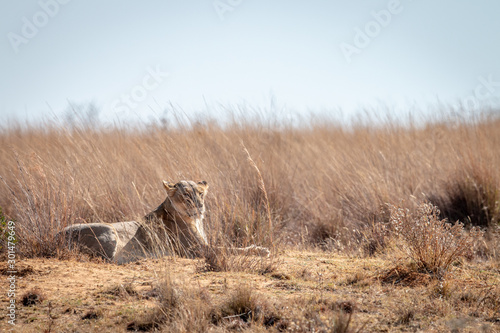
[
  {"x": 434, "y": 244},
  {"x": 33, "y": 297}
]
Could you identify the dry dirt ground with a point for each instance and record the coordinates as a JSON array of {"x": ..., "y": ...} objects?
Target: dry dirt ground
[{"x": 305, "y": 288}]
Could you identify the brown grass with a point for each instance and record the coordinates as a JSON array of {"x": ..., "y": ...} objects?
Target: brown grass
[
  {"x": 184, "y": 308},
  {"x": 317, "y": 187},
  {"x": 337, "y": 293},
  {"x": 318, "y": 184}
]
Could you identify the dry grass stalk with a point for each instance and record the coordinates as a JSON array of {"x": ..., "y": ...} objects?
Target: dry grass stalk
[{"x": 262, "y": 186}]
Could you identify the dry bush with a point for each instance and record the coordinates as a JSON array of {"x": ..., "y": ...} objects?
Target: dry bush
[{"x": 433, "y": 244}]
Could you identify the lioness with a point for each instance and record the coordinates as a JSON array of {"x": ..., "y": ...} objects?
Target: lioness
[{"x": 177, "y": 223}]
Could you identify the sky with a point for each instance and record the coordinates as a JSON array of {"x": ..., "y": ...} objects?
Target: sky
[{"x": 136, "y": 60}]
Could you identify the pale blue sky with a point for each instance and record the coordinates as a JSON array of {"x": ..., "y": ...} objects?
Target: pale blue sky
[{"x": 245, "y": 52}]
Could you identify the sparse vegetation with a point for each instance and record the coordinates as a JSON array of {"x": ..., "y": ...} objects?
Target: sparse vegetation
[{"x": 319, "y": 195}]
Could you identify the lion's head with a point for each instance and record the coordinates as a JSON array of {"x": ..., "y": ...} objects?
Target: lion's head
[{"x": 187, "y": 198}]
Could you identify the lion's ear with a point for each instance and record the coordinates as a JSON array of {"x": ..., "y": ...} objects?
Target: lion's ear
[
  {"x": 170, "y": 187},
  {"x": 203, "y": 185}
]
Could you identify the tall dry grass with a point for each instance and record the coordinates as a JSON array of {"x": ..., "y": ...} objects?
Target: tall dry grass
[{"x": 317, "y": 184}]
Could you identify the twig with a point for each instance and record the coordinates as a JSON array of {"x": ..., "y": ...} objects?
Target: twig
[{"x": 238, "y": 315}]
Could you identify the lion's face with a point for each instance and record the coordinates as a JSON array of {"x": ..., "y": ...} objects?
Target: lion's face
[{"x": 187, "y": 197}]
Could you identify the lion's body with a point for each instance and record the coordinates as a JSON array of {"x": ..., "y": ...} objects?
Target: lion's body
[
  {"x": 120, "y": 242},
  {"x": 174, "y": 226}
]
